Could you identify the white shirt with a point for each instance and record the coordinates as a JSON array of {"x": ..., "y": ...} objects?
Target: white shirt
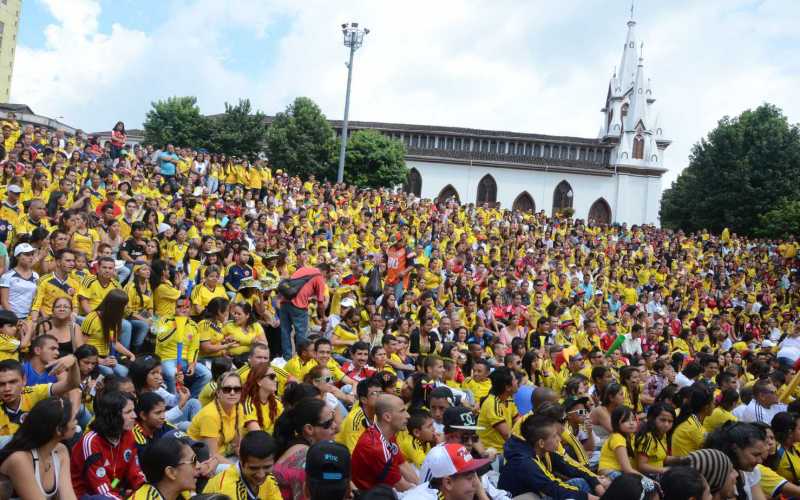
[
  {"x": 754, "y": 412},
  {"x": 682, "y": 380},
  {"x": 21, "y": 291},
  {"x": 631, "y": 345}
]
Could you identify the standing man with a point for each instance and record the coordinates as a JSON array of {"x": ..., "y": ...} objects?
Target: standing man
[
  {"x": 377, "y": 458},
  {"x": 168, "y": 165},
  {"x": 397, "y": 268},
  {"x": 293, "y": 312}
]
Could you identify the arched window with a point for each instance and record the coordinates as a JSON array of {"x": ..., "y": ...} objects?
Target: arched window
[
  {"x": 449, "y": 192},
  {"x": 600, "y": 212},
  {"x": 487, "y": 190},
  {"x": 524, "y": 203},
  {"x": 638, "y": 147},
  {"x": 562, "y": 197},
  {"x": 413, "y": 184}
]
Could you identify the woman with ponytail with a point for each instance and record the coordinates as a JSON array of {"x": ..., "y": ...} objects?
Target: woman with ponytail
[
  {"x": 261, "y": 407},
  {"x": 309, "y": 421},
  {"x": 688, "y": 432}
]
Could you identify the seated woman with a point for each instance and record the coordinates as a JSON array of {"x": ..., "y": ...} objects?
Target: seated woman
[
  {"x": 35, "y": 460},
  {"x": 105, "y": 460},
  {"x": 146, "y": 374},
  {"x": 170, "y": 466}
]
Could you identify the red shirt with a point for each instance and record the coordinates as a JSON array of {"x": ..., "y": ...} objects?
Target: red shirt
[
  {"x": 370, "y": 457},
  {"x": 313, "y": 287},
  {"x": 100, "y": 468}
]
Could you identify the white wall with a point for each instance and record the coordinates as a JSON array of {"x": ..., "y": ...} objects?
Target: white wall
[{"x": 639, "y": 196}]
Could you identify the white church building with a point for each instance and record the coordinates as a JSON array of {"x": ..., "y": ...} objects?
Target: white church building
[{"x": 615, "y": 177}]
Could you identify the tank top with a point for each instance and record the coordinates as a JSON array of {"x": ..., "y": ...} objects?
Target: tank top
[{"x": 37, "y": 474}]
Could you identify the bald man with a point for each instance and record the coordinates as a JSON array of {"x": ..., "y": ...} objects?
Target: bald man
[{"x": 376, "y": 457}]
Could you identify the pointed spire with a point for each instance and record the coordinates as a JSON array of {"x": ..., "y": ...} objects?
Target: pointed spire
[
  {"x": 627, "y": 66},
  {"x": 638, "y": 100}
]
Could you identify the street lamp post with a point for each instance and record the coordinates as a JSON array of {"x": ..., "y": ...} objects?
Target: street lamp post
[{"x": 353, "y": 38}]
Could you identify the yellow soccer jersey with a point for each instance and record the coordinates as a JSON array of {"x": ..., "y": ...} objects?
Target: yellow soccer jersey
[
  {"x": 94, "y": 292},
  {"x": 230, "y": 482},
  {"x": 266, "y": 422},
  {"x": 50, "y": 288},
  {"x": 244, "y": 336},
  {"x": 413, "y": 449},
  {"x": 208, "y": 424},
  {"x": 352, "y": 427},
  {"x": 173, "y": 331},
  {"x": 493, "y": 412},
  {"x": 687, "y": 437},
  {"x": 11, "y": 419}
]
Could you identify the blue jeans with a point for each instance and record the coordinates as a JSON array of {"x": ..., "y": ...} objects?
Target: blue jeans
[
  {"x": 398, "y": 291},
  {"x": 119, "y": 370},
  {"x": 195, "y": 383},
  {"x": 124, "y": 273},
  {"x": 140, "y": 329},
  {"x": 291, "y": 316},
  {"x": 190, "y": 409},
  {"x": 125, "y": 334},
  {"x": 212, "y": 183}
]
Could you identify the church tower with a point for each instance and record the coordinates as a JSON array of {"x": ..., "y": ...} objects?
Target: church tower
[{"x": 629, "y": 120}]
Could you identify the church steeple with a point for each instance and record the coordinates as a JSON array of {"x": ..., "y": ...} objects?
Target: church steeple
[{"x": 627, "y": 124}]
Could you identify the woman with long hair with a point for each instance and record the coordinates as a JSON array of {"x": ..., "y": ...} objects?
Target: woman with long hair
[
  {"x": 261, "y": 405},
  {"x": 219, "y": 423},
  {"x": 105, "y": 460},
  {"x": 650, "y": 443},
  {"x": 102, "y": 328},
  {"x": 213, "y": 343},
  {"x": 600, "y": 416},
  {"x": 35, "y": 460},
  {"x": 167, "y": 286},
  {"x": 61, "y": 326},
  {"x": 306, "y": 423},
  {"x": 688, "y": 433},
  {"x": 616, "y": 455},
  {"x": 140, "y": 304},
  {"x": 146, "y": 375}
]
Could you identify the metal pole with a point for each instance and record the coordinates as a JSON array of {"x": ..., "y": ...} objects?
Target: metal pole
[{"x": 342, "y": 151}]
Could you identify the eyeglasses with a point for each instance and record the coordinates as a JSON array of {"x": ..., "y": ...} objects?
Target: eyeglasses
[
  {"x": 580, "y": 413},
  {"x": 326, "y": 424},
  {"x": 193, "y": 462},
  {"x": 231, "y": 389},
  {"x": 272, "y": 376}
]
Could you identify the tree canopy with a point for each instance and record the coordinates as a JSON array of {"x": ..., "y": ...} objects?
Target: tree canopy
[
  {"x": 374, "y": 160},
  {"x": 746, "y": 167},
  {"x": 176, "y": 120},
  {"x": 301, "y": 141},
  {"x": 238, "y": 131}
]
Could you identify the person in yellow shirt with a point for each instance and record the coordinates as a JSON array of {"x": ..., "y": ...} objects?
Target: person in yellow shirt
[
  {"x": 419, "y": 437},
  {"x": 213, "y": 343},
  {"x": 140, "y": 305},
  {"x": 252, "y": 476},
  {"x": 650, "y": 443},
  {"x": 219, "y": 423},
  {"x": 178, "y": 346},
  {"x": 261, "y": 404},
  {"x": 689, "y": 433},
  {"x": 170, "y": 466},
  {"x": 14, "y": 335},
  {"x": 243, "y": 329},
  {"x": 207, "y": 290},
  {"x": 617, "y": 455},
  {"x": 479, "y": 383},
  {"x": 362, "y": 414},
  {"x": 102, "y": 328},
  {"x": 722, "y": 413},
  {"x": 498, "y": 410}
]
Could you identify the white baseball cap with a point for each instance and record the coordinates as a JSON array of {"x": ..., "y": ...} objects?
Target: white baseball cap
[
  {"x": 13, "y": 188},
  {"x": 447, "y": 459},
  {"x": 23, "y": 248}
]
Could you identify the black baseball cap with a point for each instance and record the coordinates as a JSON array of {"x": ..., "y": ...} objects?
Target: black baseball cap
[
  {"x": 460, "y": 418},
  {"x": 328, "y": 461}
]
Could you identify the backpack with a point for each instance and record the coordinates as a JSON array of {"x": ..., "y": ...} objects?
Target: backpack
[{"x": 289, "y": 288}]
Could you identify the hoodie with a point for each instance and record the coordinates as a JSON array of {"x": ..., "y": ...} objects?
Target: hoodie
[{"x": 524, "y": 472}]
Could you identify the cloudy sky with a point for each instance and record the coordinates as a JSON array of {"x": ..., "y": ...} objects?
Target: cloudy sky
[{"x": 531, "y": 66}]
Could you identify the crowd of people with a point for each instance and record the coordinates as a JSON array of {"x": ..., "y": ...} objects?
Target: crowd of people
[{"x": 176, "y": 323}]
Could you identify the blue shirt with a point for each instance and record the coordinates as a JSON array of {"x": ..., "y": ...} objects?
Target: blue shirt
[
  {"x": 166, "y": 167},
  {"x": 32, "y": 377}
]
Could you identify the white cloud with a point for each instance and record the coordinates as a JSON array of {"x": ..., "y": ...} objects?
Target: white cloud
[{"x": 508, "y": 65}]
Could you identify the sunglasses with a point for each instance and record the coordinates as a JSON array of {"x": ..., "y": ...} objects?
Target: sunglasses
[
  {"x": 192, "y": 462},
  {"x": 327, "y": 380},
  {"x": 231, "y": 389},
  {"x": 326, "y": 424},
  {"x": 272, "y": 376},
  {"x": 469, "y": 438},
  {"x": 580, "y": 413}
]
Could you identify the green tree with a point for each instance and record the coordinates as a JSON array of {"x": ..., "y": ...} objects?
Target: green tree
[
  {"x": 374, "y": 160},
  {"x": 744, "y": 168},
  {"x": 177, "y": 121},
  {"x": 301, "y": 141},
  {"x": 783, "y": 221},
  {"x": 238, "y": 131}
]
